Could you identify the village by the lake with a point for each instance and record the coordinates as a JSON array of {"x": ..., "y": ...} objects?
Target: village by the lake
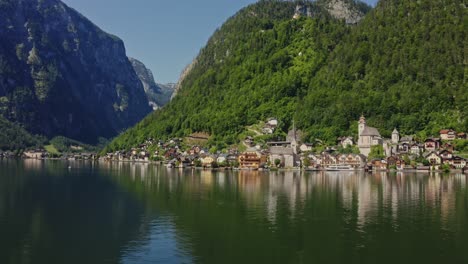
[{"x": 368, "y": 151}]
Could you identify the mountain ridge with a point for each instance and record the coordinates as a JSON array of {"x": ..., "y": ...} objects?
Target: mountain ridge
[{"x": 60, "y": 74}]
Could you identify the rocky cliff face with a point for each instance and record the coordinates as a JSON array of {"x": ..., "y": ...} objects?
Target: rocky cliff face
[
  {"x": 182, "y": 77},
  {"x": 158, "y": 94},
  {"x": 349, "y": 10},
  {"x": 62, "y": 75}
]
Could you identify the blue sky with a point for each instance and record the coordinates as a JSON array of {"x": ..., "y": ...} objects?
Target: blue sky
[{"x": 164, "y": 34}]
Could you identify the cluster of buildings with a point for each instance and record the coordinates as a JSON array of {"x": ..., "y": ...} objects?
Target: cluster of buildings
[
  {"x": 43, "y": 154},
  {"x": 400, "y": 152}
]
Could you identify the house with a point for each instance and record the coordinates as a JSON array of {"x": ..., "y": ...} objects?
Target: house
[
  {"x": 272, "y": 122},
  {"x": 432, "y": 144},
  {"x": 328, "y": 160},
  {"x": 195, "y": 150},
  {"x": 378, "y": 164},
  {"x": 446, "y": 156},
  {"x": 34, "y": 154},
  {"x": 461, "y": 135},
  {"x": 267, "y": 130},
  {"x": 306, "y": 147},
  {"x": 448, "y": 134},
  {"x": 407, "y": 139},
  {"x": 416, "y": 149},
  {"x": 232, "y": 158},
  {"x": 249, "y": 141},
  {"x": 404, "y": 148},
  {"x": 353, "y": 160},
  {"x": 393, "y": 161},
  {"x": 207, "y": 161},
  {"x": 221, "y": 159},
  {"x": 347, "y": 141},
  {"x": 448, "y": 147},
  {"x": 458, "y": 162},
  {"x": 368, "y": 137},
  {"x": 433, "y": 158},
  {"x": 315, "y": 160},
  {"x": 250, "y": 159}
]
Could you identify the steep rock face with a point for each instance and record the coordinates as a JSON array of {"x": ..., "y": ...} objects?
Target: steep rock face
[
  {"x": 184, "y": 74},
  {"x": 158, "y": 94},
  {"x": 350, "y": 11},
  {"x": 168, "y": 90},
  {"x": 62, "y": 75}
]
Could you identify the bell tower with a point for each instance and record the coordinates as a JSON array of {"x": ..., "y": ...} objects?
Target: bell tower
[
  {"x": 395, "y": 136},
  {"x": 361, "y": 125}
]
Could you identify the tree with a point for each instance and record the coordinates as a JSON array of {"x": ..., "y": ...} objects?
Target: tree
[
  {"x": 277, "y": 162},
  {"x": 377, "y": 152}
]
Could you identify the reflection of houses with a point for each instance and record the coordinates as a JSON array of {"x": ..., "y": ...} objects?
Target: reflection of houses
[
  {"x": 250, "y": 159},
  {"x": 368, "y": 137}
]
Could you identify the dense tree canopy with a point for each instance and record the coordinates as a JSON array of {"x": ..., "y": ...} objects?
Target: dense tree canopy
[{"x": 402, "y": 66}]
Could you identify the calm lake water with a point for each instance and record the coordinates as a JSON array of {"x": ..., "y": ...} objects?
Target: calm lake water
[{"x": 140, "y": 213}]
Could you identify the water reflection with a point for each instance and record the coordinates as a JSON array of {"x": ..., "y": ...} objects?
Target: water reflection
[{"x": 152, "y": 214}]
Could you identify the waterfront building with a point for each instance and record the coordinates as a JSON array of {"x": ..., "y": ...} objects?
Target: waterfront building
[{"x": 368, "y": 137}]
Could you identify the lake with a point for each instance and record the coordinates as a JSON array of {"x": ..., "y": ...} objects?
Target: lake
[{"x": 82, "y": 212}]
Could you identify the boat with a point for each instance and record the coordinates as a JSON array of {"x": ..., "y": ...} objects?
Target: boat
[{"x": 339, "y": 168}]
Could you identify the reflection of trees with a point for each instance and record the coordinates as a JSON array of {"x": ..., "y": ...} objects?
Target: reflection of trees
[
  {"x": 284, "y": 217},
  {"x": 232, "y": 217},
  {"x": 56, "y": 215}
]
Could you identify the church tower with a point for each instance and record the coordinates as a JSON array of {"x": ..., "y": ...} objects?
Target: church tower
[
  {"x": 395, "y": 136},
  {"x": 362, "y": 125}
]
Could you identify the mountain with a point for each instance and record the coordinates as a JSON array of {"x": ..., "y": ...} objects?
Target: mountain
[
  {"x": 158, "y": 94},
  {"x": 402, "y": 65},
  {"x": 254, "y": 67},
  {"x": 62, "y": 75}
]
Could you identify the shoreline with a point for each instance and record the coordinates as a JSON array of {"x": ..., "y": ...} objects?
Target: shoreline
[{"x": 161, "y": 163}]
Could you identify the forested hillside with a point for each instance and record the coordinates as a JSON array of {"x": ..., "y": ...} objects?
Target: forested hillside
[
  {"x": 14, "y": 137},
  {"x": 257, "y": 65},
  {"x": 402, "y": 66}
]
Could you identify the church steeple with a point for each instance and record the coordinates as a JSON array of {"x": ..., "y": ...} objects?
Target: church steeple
[
  {"x": 395, "y": 136},
  {"x": 361, "y": 125}
]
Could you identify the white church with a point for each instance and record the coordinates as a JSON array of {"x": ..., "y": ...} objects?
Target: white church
[{"x": 368, "y": 137}]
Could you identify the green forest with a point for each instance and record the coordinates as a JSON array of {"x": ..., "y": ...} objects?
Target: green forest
[
  {"x": 402, "y": 66},
  {"x": 15, "y": 137}
]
